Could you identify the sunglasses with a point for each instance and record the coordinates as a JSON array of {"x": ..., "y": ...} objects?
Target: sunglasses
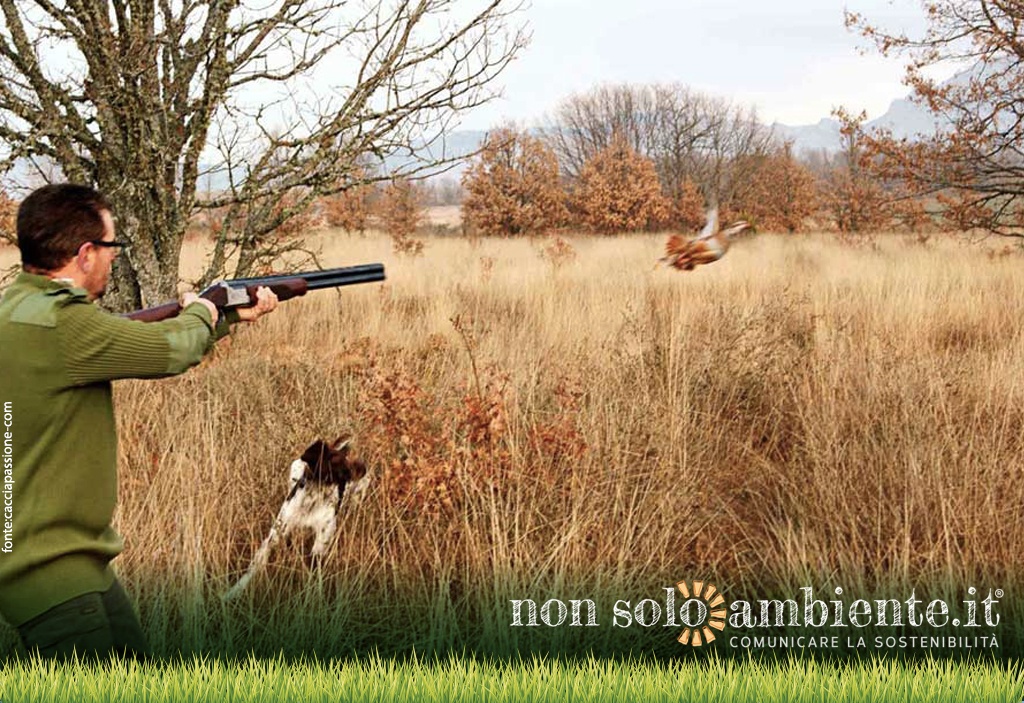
[{"x": 112, "y": 243}]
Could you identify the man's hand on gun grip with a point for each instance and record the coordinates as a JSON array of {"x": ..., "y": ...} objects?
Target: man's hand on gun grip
[
  {"x": 266, "y": 301},
  {"x": 189, "y": 298}
]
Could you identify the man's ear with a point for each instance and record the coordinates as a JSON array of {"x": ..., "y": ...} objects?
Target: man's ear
[{"x": 83, "y": 259}]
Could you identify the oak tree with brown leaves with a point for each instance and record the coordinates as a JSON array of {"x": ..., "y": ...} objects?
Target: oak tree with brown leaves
[
  {"x": 861, "y": 191},
  {"x": 400, "y": 208},
  {"x": 513, "y": 186},
  {"x": 974, "y": 164},
  {"x": 618, "y": 191},
  {"x": 774, "y": 191},
  {"x": 349, "y": 209}
]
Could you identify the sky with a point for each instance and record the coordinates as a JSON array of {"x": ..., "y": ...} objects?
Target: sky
[{"x": 793, "y": 60}]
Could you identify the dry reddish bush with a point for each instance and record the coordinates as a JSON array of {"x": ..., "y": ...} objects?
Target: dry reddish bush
[
  {"x": 349, "y": 209},
  {"x": 618, "y": 191},
  {"x": 437, "y": 448},
  {"x": 558, "y": 251},
  {"x": 440, "y": 445},
  {"x": 409, "y": 441},
  {"x": 482, "y": 426},
  {"x": 433, "y": 446},
  {"x": 855, "y": 202},
  {"x": 559, "y": 439},
  {"x": 401, "y": 210},
  {"x": 850, "y": 192},
  {"x": 513, "y": 186}
]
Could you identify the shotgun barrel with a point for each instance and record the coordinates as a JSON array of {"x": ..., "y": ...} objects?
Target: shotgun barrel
[
  {"x": 241, "y": 292},
  {"x": 346, "y": 276}
]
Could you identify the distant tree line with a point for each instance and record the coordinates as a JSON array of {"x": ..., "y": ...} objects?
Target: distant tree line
[
  {"x": 654, "y": 157},
  {"x": 627, "y": 158},
  {"x": 630, "y": 158}
]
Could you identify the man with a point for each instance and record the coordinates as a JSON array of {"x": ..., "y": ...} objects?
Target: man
[{"x": 58, "y": 355}]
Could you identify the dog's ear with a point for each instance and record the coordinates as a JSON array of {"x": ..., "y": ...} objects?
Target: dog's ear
[
  {"x": 342, "y": 467},
  {"x": 313, "y": 453},
  {"x": 314, "y": 456},
  {"x": 338, "y": 458}
]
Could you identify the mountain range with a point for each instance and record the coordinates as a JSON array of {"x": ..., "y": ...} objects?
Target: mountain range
[{"x": 904, "y": 118}]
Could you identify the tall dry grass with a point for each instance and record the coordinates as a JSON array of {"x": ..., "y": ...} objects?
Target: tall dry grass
[{"x": 803, "y": 412}]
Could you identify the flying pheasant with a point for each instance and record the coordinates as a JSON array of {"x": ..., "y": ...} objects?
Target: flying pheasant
[{"x": 708, "y": 246}]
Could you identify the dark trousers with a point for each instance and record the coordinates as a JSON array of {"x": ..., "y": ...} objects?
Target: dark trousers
[{"x": 95, "y": 624}]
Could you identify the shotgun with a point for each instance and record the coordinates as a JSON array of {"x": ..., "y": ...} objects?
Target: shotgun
[{"x": 241, "y": 292}]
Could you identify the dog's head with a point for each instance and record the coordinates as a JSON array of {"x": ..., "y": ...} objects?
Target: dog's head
[{"x": 330, "y": 464}]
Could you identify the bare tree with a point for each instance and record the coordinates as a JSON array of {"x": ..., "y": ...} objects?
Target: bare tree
[
  {"x": 588, "y": 123},
  {"x": 731, "y": 138},
  {"x": 681, "y": 126},
  {"x": 689, "y": 136},
  {"x": 146, "y": 99},
  {"x": 974, "y": 165}
]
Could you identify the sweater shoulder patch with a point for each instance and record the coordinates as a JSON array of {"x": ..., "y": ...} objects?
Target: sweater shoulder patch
[{"x": 39, "y": 309}]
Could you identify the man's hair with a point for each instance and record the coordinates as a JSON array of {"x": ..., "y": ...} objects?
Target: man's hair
[{"x": 55, "y": 221}]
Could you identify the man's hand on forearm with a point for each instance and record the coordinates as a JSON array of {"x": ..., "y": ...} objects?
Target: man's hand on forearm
[{"x": 266, "y": 301}]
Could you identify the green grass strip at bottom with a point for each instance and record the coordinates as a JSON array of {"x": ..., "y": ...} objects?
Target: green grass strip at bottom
[{"x": 466, "y": 679}]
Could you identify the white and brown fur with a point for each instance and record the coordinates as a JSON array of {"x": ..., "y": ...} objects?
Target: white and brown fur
[
  {"x": 710, "y": 245},
  {"x": 322, "y": 481}
]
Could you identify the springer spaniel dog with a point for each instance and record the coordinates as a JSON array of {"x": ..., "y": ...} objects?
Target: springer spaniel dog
[{"x": 323, "y": 480}]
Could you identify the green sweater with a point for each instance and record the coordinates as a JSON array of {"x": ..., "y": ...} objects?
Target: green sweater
[{"x": 58, "y": 355}]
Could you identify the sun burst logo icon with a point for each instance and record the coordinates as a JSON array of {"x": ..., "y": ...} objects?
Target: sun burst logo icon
[{"x": 703, "y": 612}]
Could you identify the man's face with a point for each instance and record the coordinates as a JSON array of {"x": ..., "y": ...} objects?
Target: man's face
[{"x": 100, "y": 259}]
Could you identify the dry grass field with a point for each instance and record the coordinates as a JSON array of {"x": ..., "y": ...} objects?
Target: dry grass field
[{"x": 546, "y": 422}]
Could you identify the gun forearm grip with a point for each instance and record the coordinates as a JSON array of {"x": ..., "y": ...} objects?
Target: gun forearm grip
[{"x": 284, "y": 290}]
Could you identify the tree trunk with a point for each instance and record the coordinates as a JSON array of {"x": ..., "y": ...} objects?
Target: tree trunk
[{"x": 148, "y": 273}]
